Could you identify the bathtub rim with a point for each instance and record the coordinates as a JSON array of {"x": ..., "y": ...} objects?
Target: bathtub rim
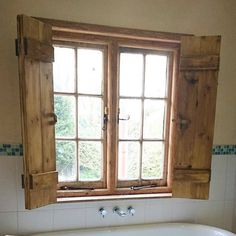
[{"x": 147, "y": 225}]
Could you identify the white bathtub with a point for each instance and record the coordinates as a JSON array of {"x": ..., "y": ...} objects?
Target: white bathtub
[{"x": 165, "y": 229}]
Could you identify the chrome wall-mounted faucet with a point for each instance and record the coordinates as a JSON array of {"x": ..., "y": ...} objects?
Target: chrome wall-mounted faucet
[
  {"x": 102, "y": 212},
  {"x": 119, "y": 212}
]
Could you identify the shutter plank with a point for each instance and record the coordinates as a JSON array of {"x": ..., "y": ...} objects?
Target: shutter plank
[
  {"x": 38, "y": 51},
  {"x": 36, "y": 86},
  {"x": 195, "y": 176},
  {"x": 46, "y": 75},
  {"x": 32, "y": 116},
  {"x": 210, "y": 62},
  {"x": 196, "y": 101},
  {"x": 43, "y": 181}
]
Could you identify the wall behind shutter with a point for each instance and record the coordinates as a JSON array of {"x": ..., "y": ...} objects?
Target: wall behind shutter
[
  {"x": 35, "y": 56},
  {"x": 193, "y": 123}
]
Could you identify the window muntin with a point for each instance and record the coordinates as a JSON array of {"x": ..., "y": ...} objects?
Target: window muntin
[
  {"x": 143, "y": 116},
  {"x": 80, "y": 98}
]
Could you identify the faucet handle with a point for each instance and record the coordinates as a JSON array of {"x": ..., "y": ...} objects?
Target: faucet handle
[
  {"x": 102, "y": 212},
  {"x": 131, "y": 210}
]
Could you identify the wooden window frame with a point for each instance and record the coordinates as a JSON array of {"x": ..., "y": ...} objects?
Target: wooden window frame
[{"x": 114, "y": 39}]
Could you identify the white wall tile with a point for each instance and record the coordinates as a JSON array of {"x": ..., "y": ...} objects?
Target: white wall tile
[
  {"x": 231, "y": 163},
  {"x": 21, "y": 203},
  {"x": 230, "y": 185},
  {"x": 8, "y": 198},
  {"x": 8, "y": 168},
  {"x": 158, "y": 210},
  {"x": 219, "y": 164},
  {"x": 69, "y": 219},
  {"x": 138, "y": 217},
  {"x": 71, "y": 205},
  {"x": 35, "y": 221},
  {"x": 184, "y": 211},
  {"x": 94, "y": 219},
  {"x": 230, "y": 192},
  {"x": 19, "y": 172},
  {"x": 210, "y": 213},
  {"x": 228, "y": 215},
  {"x": 218, "y": 178},
  {"x": 234, "y": 218},
  {"x": 8, "y": 222}
]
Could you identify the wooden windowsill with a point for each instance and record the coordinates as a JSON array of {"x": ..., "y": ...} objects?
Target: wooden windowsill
[{"x": 113, "y": 197}]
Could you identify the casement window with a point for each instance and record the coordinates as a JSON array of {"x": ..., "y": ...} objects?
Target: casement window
[
  {"x": 115, "y": 112},
  {"x": 81, "y": 90}
]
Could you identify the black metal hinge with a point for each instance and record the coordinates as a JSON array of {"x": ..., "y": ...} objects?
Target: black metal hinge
[
  {"x": 22, "y": 181},
  {"x": 18, "y": 46}
]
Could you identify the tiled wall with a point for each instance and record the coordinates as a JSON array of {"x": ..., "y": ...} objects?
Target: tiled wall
[{"x": 217, "y": 211}]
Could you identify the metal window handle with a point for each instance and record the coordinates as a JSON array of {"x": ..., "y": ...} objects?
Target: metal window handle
[
  {"x": 182, "y": 123},
  {"x": 105, "y": 121},
  {"x": 54, "y": 118},
  {"x": 125, "y": 118}
]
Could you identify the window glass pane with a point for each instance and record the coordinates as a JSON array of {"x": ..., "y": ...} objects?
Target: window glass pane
[
  {"x": 154, "y": 111},
  {"x": 90, "y": 71},
  {"x": 90, "y": 160},
  {"x": 90, "y": 117},
  {"x": 130, "y": 118},
  {"x": 155, "y": 76},
  {"x": 65, "y": 110},
  {"x": 131, "y": 74},
  {"x": 66, "y": 160},
  {"x": 64, "y": 69},
  {"x": 129, "y": 156},
  {"x": 152, "y": 160}
]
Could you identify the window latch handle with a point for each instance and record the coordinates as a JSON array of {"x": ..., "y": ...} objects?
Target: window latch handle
[
  {"x": 54, "y": 118},
  {"x": 105, "y": 119},
  {"x": 125, "y": 118}
]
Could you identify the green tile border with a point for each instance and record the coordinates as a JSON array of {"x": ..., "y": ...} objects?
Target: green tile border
[
  {"x": 11, "y": 150},
  {"x": 17, "y": 150},
  {"x": 224, "y": 150}
]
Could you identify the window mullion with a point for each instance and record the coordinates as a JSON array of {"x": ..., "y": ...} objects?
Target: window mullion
[
  {"x": 105, "y": 110},
  {"x": 142, "y": 120},
  {"x": 112, "y": 144},
  {"x": 76, "y": 113}
]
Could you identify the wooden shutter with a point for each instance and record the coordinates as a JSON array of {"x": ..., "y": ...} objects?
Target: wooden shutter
[
  {"x": 194, "y": 119},
  {"x": 35, "y": 56}
]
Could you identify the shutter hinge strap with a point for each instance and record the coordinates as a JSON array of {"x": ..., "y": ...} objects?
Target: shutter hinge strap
[
  {"x": 18, "y": 46},
  {"x": 22, "y": 181},
  {"x": 30, "y": 181}
]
